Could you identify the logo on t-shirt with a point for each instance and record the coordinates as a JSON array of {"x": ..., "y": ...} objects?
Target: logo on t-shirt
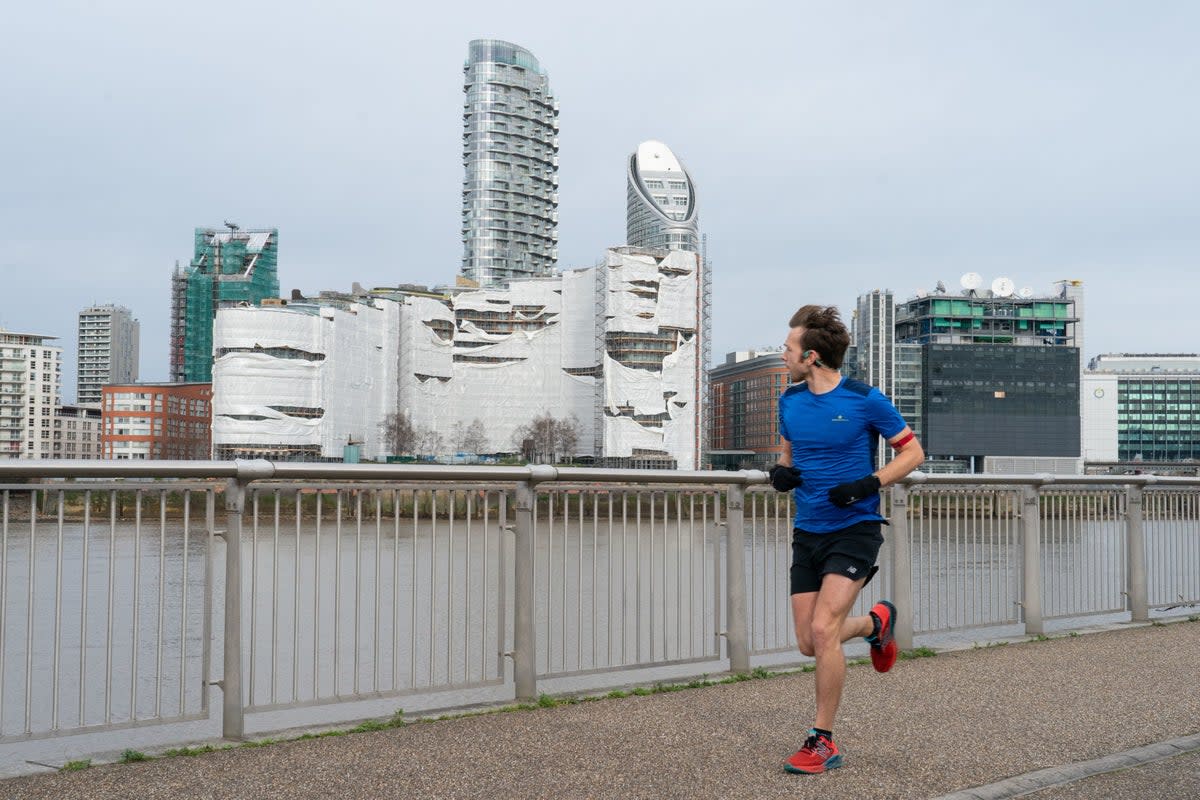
[{"x": 839, "y": 418}]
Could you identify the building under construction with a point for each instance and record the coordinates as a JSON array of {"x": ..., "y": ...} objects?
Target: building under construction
[{"x": 229, "y": 267}]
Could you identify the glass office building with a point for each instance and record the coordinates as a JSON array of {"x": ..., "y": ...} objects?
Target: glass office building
[
  {"x": 1000, "y": 376},
  {"x": 1141, "y": 408},
  {"x": 661, "y": 209},
  {"x": 510, "y": 156}
]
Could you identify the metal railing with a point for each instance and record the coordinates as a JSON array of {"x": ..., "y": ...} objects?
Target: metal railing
[
  {"x": 344, "y": 583},
  {"x": 105, "y": 606}
]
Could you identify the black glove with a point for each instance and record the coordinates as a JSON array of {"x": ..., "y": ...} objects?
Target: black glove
[
  {"x": 784, "y": 479},
  {"x": 851, "y": 492}
]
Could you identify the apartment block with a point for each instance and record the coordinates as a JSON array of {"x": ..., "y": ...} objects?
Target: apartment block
[{"x": 156, "y": 421}]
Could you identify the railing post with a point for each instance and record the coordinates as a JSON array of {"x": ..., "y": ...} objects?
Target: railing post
[
  {"x": 1135, "y": 532},
  {"x": 232, "y": 713},
  {"x": 1031, "y": 536},
  {"x": 524, "y": 634},
  {"x": 902, "y": 591},
  {"x": 736, "y": 636},
  {"x": 210, "y": 528}
]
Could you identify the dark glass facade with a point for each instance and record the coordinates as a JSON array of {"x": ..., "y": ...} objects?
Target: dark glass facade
[{"x": 1000, "y": 400}]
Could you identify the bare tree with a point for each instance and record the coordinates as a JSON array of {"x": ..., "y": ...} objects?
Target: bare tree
[
  {"x": 399, "y": 433},
  {"x": 546, "y": 438},
  {"x": 428, "y": 442},
  {"x": 474, "y": 439}
]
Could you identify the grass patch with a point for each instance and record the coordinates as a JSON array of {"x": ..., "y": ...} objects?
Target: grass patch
[
  {"x": 76, "y": 766},
  {"x": 369, "y": 725},
  {"x": 129, "y": 756},
  {"x": 1194, "y": 618},
  {"x": 260, "y": 742},
  {"x": 190, "y": 751},
  {"x": 917, "y": 652}
]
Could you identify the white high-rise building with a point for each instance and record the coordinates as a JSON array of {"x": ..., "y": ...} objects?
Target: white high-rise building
[
  {"x": 661, "y": 211},
  {"x": 30, "y": 391},
  {"x": 108, "y": 351},
  {"x": 510, "y": 181}
]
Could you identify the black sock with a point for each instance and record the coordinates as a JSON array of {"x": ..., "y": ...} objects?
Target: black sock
[
  {"x": 827, "y": 734},
  {"x": 876, "y": 626}
]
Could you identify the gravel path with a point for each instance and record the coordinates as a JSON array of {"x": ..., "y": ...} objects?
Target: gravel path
[{"x": 931, "y": 727}]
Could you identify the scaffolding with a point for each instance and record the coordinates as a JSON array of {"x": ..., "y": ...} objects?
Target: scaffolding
[{"x": 228, "y": 268}]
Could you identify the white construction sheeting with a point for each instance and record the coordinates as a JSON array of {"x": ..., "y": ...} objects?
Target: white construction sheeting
[
  {"x": 578, "y": 318},
  {"x": 298, "y": 376},
  {"x": 499, "y": 356},
  {"x": 632, "y": 307},
  {"x": 514, "y": 376}
]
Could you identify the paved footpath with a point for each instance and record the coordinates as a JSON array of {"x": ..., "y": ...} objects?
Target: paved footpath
[{"x": 1065, "y": 714}]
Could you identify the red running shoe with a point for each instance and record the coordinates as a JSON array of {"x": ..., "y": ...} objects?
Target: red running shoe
[
  {"x": 817, "y": 755},
  {"x": 883, "y": 648}
]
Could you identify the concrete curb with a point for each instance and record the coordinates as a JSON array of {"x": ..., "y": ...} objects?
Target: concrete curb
[{"x": 1069, "y": 773}]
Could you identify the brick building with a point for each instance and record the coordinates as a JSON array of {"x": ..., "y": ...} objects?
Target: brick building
[{"x": 157, "y": 421}]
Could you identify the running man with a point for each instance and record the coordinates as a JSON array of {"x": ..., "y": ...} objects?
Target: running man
[{"x": 831, "y": 425}]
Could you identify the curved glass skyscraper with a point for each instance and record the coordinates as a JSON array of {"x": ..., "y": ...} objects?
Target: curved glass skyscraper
[
  {"x": 510, "y": 187},
  {"x": 661, "y": 209}
]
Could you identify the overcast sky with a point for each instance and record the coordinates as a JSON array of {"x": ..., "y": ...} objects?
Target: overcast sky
[{"x": 837, "y": 148}]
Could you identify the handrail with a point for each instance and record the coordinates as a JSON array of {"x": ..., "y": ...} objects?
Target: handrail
[{"x": 259, "y": 469}]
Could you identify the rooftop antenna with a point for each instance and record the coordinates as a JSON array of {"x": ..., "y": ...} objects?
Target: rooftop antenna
[
  {"x": 1026, "y": 292},
  {"x": 233, "y": 226},
  {"x": 941, "y": 287},
  {"x": 970, "y": 282}
]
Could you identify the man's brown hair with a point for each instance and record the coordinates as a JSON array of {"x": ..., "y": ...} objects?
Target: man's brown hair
[{"x": 824, "y": 332}]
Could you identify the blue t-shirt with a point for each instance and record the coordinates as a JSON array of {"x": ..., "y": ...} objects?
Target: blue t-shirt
[{"x": 833, "y": 439}]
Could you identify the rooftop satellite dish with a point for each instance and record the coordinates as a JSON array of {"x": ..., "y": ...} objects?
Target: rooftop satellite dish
[
  {"x": 971, "y": 281},
  {"x": 941, "y": 287},
  {"x": 1026, "y": 292},
  {"x": 922, "y": 292},
  {"x": 1003, "y": 287}
]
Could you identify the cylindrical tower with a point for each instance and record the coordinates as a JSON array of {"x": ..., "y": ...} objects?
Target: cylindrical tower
[{"x": 510, "y": 146}]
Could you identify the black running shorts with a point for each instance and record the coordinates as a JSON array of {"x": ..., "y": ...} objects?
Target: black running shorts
[{"x": 851, "y": 552}]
